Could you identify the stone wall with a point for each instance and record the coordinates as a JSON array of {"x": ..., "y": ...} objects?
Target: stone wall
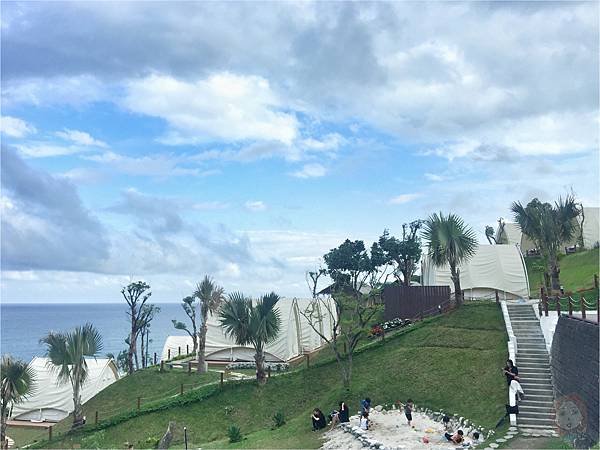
[{"x": 575, "y": 367}]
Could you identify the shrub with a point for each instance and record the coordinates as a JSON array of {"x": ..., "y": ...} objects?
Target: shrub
[
  {"x": 234, "y": 433},
  {"x": 94, "y": 440},
  {"x": 279, "y": 419},
  {"x": 152, "y": 442}
]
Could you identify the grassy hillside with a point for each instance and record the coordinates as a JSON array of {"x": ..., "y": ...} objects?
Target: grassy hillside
[
  {"x": 450, "y": 362},
  {"x": 576, "y": 271}
]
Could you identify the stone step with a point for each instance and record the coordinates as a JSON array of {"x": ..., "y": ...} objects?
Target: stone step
[
  {"x": 534, "y": 371},
  {"x": 527, "y": 421},
  {"x": 536, "y": 409},
  {"x": 528, "y": 366},
  {"x": 531, "y": 401},
  {"x": 538, "y": 429}
]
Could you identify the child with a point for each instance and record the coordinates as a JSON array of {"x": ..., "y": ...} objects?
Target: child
[
  {"x": 457, "y": 438},
  {"x": 408, "y": 408},
  {"x": 364, "y": 421}
]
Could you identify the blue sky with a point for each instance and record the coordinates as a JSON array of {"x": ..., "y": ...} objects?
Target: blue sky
[{"x": 244, "y": 140}]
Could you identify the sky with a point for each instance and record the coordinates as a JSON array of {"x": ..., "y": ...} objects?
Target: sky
[{"x": 166, "y": 141}]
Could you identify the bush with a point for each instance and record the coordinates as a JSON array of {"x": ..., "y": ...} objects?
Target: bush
[
  {"x": 234, "y": 433},
  {"x": 279, "y": 419},
  {"x": 152, "y": 442},
  {"x": 94, "y": 440}
]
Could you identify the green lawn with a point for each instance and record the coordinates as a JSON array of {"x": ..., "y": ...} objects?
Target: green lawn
[
  {"x": 449, "y": 362},
  {"x": 149, "y": 384},
  {"x": 576, "y": 271}
]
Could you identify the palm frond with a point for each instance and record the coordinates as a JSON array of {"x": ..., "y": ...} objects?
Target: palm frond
[
  {"x": 18, "y": 380},
  {"x": 235, "y": 317}
]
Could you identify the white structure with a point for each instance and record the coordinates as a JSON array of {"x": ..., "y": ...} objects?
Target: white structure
[
  {"x": 510, "y": 233},
  {"x": 52, "y": 401},
  {"x": 493, "y": 268},
  {"x": 295, "y": 336}
]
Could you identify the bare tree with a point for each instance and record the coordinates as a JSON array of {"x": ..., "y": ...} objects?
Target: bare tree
[
  {"x": 136, "y": 295},
  {"x": 146, "y": 316}
]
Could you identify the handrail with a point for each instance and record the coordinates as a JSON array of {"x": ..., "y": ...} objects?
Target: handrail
[{"x": 512, "y": 353}]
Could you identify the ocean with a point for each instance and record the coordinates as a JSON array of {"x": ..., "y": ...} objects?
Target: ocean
[{"x": 23, "y": 324}]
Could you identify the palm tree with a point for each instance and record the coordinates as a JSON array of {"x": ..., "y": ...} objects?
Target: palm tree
[
  {"x": 257, "y": 324},
  {"x": 18, "y": 382},
  {"x": 67, "y": 356},
  {"x": 548, "y": 226},
  {"x": 211, "y": 297},
  {"x": 451, "y": 242}
]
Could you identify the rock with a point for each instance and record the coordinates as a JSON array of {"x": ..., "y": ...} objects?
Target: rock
[
  {"x": 378, "y": 408},
  {"x": 500, "y": 440},
  {"x": 512, "y": 428},
  {"x": 165, "y": 442},
  {"x": 494, "y": 445}
]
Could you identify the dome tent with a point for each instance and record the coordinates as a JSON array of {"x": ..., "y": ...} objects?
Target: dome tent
[
  {"x": 493, "y": 268},
  {"x": 53, "y": 401},
  {"x": 295, "y": 337}
]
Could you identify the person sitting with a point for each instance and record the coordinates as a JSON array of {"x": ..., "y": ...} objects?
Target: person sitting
[
  {"x": 476, "y": 440},
  {"x": 365, "y": 405},
  {"x": 340, "y": 416},
  {"x": 446, "y": 421},
  {"x": 511, "y": 371},
  {"x": 318, "y": 420},
  {"x": 456, "y": 438},
  {"x": 364, "y": 421}
]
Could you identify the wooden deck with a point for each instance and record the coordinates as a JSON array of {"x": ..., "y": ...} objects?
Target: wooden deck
[{"x": 28, "y": 424}]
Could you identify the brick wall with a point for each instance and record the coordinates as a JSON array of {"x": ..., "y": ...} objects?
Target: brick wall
[{"x": 575, "y": 367}]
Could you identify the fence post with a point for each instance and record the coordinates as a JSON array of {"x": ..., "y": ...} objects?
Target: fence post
[
  {"x": 50, "y": 433},
  {"x": 545, "y": 303},
  {"x": 179, "y": 351},
  {"x": 582, "y": 302},
  {"x": 221, "y": 380},
  {"x": 96, "y": 418},
  {"x": 185, "y": 437},
  {"x": 139, "y": 403},
  {"x": 168, "y": 354},
  {"x": 162, "y": 366},
  {"x": 187, "y": 349},
  {"x": 269, "y": 372},
  {"x": 570, "y": 300},
  {"x": 181, "y": 389},
  {"x": 154, "y": 358},
  {"x": 596, "y": 280},
  {"x": 307, "y": 360},
  {"x": 189, "y": 368},
  {"x": 558, "y": 305},
  {"x": 497, "y": 297}
]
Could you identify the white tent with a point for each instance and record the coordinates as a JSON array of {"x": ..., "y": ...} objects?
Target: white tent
[
  {"x": 493, "y": 267},
  {"x": 52, "y": 401},
  {"x": 295, "y": 336}
]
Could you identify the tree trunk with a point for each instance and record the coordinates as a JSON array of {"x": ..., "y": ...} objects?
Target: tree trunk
[
  {"x": 142, "y": 351},
  {"x": 147, "y": 347},
  {"x": 455, "y": 275},
  {"x": 132, "y": 344},
  {"x": 261, "y": 375},
  {"x": 201, "y": 344},
  {"x": 77, "y": 408},
  {"x": 554, "y": 270},
  {"x": 3, "y": 425}
]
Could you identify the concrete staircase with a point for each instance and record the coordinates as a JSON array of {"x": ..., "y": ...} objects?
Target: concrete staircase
[{"x": 536, "y": 411}]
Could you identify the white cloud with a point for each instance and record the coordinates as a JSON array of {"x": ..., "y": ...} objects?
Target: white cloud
[
  {"x": 221, "y": 106},
  {"x": 331, "y": 141},
  {"x": 15, "y": 127},
  {"x": 403, "y": 198},
  {"x": 255, "y": 205},
  {"x": 36, "y": 149},
  {"x": 434, "y": 177},
  {"x": 310, "y": 171},
  {"x": 80, "y": 138}
]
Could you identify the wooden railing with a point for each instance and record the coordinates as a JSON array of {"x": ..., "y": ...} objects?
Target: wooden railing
[{"x": 569, "y": 304}]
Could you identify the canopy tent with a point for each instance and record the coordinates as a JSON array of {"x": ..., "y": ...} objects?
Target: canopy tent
[
  {"x": 493, "y": 268},
  {"x": 510, "y": 233},
  {"x": 295, "y": 335},
  {"x": 53, "y": 401}
]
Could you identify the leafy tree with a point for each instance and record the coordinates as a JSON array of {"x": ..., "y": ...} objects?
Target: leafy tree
[
  {"x": 353, "y": 299},
  {"x": 67, "y": 356},
  {"x": 403, "y": 253},
  {"x": 548, "y": 226},
  {"x": 120, "y": 360},
  {"x": 189, "y": 306},
  {"x": 450, "y": 242},
  {"x": 255, "y": 323},
  {"x": 18, "y": 381},
  {"x": 136, "y": 295},
  {"x": 211, "y": 298},
  {"x": 489, "y": 234}
]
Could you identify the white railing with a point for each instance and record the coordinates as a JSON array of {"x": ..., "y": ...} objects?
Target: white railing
[{"x": 512, "y": 354}]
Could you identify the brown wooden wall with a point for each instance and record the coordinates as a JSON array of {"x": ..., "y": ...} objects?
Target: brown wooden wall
[{"x": 414, "y": 302}]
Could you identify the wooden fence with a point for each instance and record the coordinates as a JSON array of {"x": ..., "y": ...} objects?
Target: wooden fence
[{"x": 415, "y": 302}]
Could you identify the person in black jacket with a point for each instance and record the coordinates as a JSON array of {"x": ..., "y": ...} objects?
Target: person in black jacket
[
  {"x": 318, "y": 420},
  {"x": 511, "y": 371},
  {"x": 340, "y": 416}
]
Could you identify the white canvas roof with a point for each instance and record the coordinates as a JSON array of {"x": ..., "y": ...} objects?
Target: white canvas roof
[
  {"x": 493, "y": 267},
  {"x": 512, "y": 232},
  {"x": 591, "y": 227},
  {"x": 295, "y": 337},
  {"x": 52, "y": 401}
]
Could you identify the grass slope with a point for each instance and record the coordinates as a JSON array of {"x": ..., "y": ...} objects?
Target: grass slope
[
  {"x": 576, "y": 271},
  {"x": 450, "y": 362}
]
